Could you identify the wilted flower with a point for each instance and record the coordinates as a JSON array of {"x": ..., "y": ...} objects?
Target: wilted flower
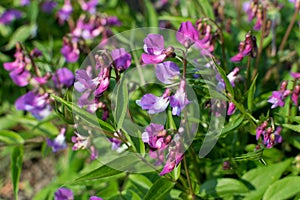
[
  {"x": 35, "y": 103},
  {"x": 187, "y": 34},
  {"x": 232, "y": 76},
  {"x": 247, "y": 47},
  {"x": 179, "y": 100},
  {"x": 9, "y": 16},
  {"x": 295, "y": 94},
  {"x": 59, "y": 142},
  {"x": 121, "y": 59},
  {"x": 64, "y": 194},
  {"x": 205, "y": 42},
  {"x": 80, "y": 142},
  {"x": 154, "y": 104},
  {"x": 63, "y": 77},
  {"x": 167, "y": 72}
]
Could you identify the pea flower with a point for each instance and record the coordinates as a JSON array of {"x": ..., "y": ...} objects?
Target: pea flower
[
  {"x": 80, "y": 142},
  {"x": 70, "y": 50},
  {"x": 89, "y": 6},
  {"x": 10, "y": 15},
  {"x": 187, "y": 34},
  {"x": 278, "y": 97},
  {"x": 179, "y": 100},
  {"x": 295, "y": 94},
  {"x": 247, "y": 47},
  {"x": 156, "y": 136},
  {"x": 167, "y": 72},
  {"x": 59, "y": 142},
  {"x": 18, "y": 68},
  {"x": 64, "y": 194},
  {"x": 154, "y": 104},
  {"x": 24, "y": 2},
  {"x": 48, "y": 6},
  {"x": 270, "y": 137},
  {"x": 65, "y": 12},
  {"x": 87, "y": 27},
  {"x": 231, "y": 108},
  {"x": 35, "y": 103},
  {"x": 63, "y": 77},
  {"x": 95, "y": 198},
  {"x": 121, "y": 59},
  {"x": 205, "y": 42},
  {"x": 155, "y": 51}
]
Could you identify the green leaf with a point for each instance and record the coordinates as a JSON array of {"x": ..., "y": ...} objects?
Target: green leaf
[
  {"x": 257, "y": 155},
  {"x": 123, "y": 163},
  {"x": 283, "y": 189},
  {"x": 206, "y": 8},
  {"x": 20, "y": 35},
  {"x": 121, "y": 102},
  {"x": 295, "y": 128},
  {"x": 251, "y": 92},
  {"x": 151, "y": 14},
  {"x": 235, "y": 121},
  {"x": 88, "y": 117},
  {"x": 222, "y": 187},
  {"x": 260, "y": 178},
  {"x": 159, "y": 190},
  {"x": 10, "y": 137},
  {"x": 16, "y": 166}
]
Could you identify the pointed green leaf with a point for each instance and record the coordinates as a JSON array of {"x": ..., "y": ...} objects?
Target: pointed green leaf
[
  {"x": 251, "y": 92},
  {"x": 16, "y": 167},
  {"x": 20, "y": 35},
  {"x": 10, "y": 137},
  {"x": 151, "y": 14},
  {"x": 121, "y": 102},
  {"x": 295, "y": 128},
  {"x": 159, "y": 190},
  {"x": 88, "y": 117},
  {"x": 235, "y": 121},
  {"x": 283, "y": 189}
]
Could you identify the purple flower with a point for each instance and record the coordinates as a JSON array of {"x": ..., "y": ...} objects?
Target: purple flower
[
  {"x": 95, "y": 198},
  {"x": 247, "y": 47},
  {"x": 80, "y": 142},
  {"x": 278, "y": 97},
  {"x": 154, "y": 104},
  {"x": 295, "y": 75},
  {"x": 167, "y": 72},
  {"x": 48, "y": 6},
  {"x": 270, "y": 137},
  {"x": 89, "y": 6},
  {"x": 59, "y": 142},
  {"x": 261, "y": 129},
  {"x": 156, "y": 136},
  {"x": 111, "y": 21},
  {"x": 63, "y": 194},
  {"x": 187, "y": 34},
  {"x": 205, "y": 42},
  {"x": 104, "y": 80},
  {"x": 37, "y": 104},
  {"x": 87, "y": 27},
  {"x": 70, "y": 50},
  {"x": 94, "y": 152},
  {"x": 9, "y": 16},
  {"x": 296, "y": 2},
  {"x": 121, "y": 58},
  {"x": 295, "y": 94},
  {"x": 154, "y": 48},
  {"x": 65, "y": 12},
  {"x": 63, "y": 77},
  {"x": 115, "y": 143},
  {"x": 231, "y": 108},
  {"x": 24, "y": 2},
  {"x": 179, "y": 100},
  {"x": 232, "y": 76}
]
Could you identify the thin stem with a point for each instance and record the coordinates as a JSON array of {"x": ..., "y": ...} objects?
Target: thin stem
[
  {"x": 248, "y": 72},
  {"x": 184, "y": 65},
  {"x": 262, "y": 36},
  {"x": 188, "y": 177},
  {"x": 287, "y": 33}
]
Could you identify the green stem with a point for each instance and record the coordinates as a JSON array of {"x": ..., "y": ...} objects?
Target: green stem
[
  {"x": 188, "y": 177},
  {"x": 287, "y": 33}
]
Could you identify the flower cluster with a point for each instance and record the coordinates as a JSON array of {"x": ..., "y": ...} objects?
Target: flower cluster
[
  {"x": 92, "y": 86},
  {"x": 269, "y": 135},
  {"x": 87, "y": 27},
  {"x": 246, "y": 47},
  {"x": 24, "y": 72}
]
